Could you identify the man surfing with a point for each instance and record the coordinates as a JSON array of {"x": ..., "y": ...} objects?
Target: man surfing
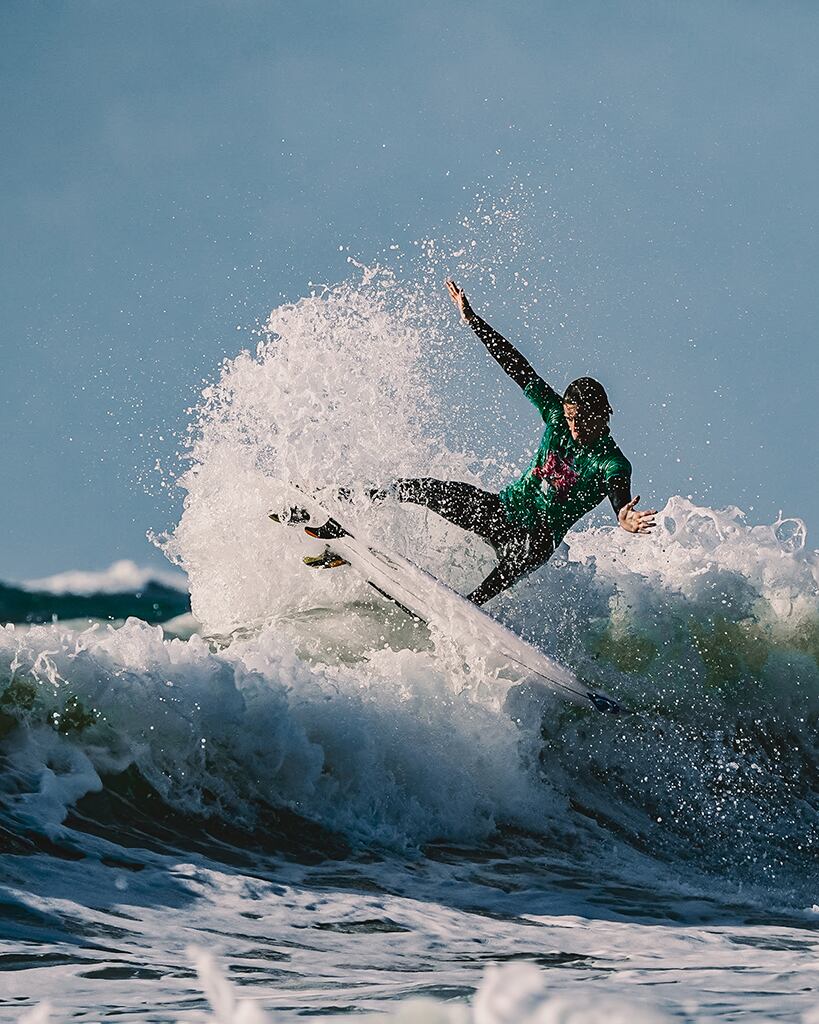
[{"x": 576, "y": 466}]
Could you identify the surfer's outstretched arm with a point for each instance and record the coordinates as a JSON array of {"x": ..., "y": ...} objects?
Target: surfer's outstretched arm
[{"x": 503, "y": 351}]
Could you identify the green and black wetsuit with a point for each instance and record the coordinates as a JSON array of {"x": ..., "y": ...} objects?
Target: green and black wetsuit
[{"x": 564, "y": 481}]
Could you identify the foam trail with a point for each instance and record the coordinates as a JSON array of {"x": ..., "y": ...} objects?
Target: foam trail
[{"x": 508, "y": 994}]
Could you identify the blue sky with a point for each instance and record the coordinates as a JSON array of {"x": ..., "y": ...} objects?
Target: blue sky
[{"x": 174, "y": 170}]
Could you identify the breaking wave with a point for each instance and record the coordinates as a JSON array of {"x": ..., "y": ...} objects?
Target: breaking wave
[{"x": 305, "y": 696}]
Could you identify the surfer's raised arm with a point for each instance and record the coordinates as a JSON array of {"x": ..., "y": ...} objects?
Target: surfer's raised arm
[{"x": 503, "y": 351}]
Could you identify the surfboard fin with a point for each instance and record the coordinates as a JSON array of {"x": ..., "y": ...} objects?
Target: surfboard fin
[
  {"x": 326, "y": 560},
  {"x": 331, "y": 530}
]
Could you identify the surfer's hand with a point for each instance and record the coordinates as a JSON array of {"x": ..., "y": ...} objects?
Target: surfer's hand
[
  {"x": 458, "y": 296},
  {"x": 633, "y": 521}
]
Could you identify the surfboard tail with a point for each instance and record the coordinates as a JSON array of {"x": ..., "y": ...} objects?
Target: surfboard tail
[{"x": 605, "y": 704}]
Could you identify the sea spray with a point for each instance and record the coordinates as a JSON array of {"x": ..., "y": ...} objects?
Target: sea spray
[{"x": 335, "y": 395}]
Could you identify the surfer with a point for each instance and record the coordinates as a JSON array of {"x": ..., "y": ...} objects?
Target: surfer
[{"x": 576, "y": 466}]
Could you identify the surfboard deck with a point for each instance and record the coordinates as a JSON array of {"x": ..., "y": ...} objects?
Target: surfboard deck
[{"x": 421, "y": 594}]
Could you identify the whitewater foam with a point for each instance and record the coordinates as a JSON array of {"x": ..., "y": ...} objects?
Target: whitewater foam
[
  {"x": 335, "y": 395},
  {"x": 383, "y": 752}
]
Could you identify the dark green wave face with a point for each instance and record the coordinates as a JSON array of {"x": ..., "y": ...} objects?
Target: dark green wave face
[{"x": 154, "y": 603}]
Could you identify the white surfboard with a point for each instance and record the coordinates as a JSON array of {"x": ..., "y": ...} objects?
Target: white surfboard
[{"x": 421, "y": 594}]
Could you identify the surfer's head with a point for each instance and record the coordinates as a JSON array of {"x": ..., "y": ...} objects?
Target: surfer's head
[{"x": 587, "y": 409}]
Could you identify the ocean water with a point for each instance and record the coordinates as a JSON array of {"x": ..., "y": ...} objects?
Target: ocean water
[{"x": 291, "y": 801}]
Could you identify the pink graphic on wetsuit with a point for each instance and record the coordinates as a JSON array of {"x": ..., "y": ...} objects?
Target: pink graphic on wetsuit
[{"x": 558, "y": 473}]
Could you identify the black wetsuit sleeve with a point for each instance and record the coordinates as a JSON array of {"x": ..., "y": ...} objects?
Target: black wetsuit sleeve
[
  {"x": 618, "y": 489},
  {"x": 504, "y": 352}
]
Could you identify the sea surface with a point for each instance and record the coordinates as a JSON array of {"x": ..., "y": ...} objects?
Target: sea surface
[{"x": 258, "y": 792}]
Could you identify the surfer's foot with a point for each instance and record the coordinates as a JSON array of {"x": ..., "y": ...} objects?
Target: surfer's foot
[
  {"x": 326, "y": 560},
  {"x": 331, "y": 530},
  {"x": 293, "y": 516}
]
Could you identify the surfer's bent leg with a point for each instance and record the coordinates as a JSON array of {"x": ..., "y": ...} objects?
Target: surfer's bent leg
[
  {"x": 518, "y": 555},
  {"x": 459, "y": 503}
]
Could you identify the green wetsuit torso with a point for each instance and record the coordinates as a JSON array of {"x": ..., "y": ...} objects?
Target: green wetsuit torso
[{"x": 564, "y": 480}]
